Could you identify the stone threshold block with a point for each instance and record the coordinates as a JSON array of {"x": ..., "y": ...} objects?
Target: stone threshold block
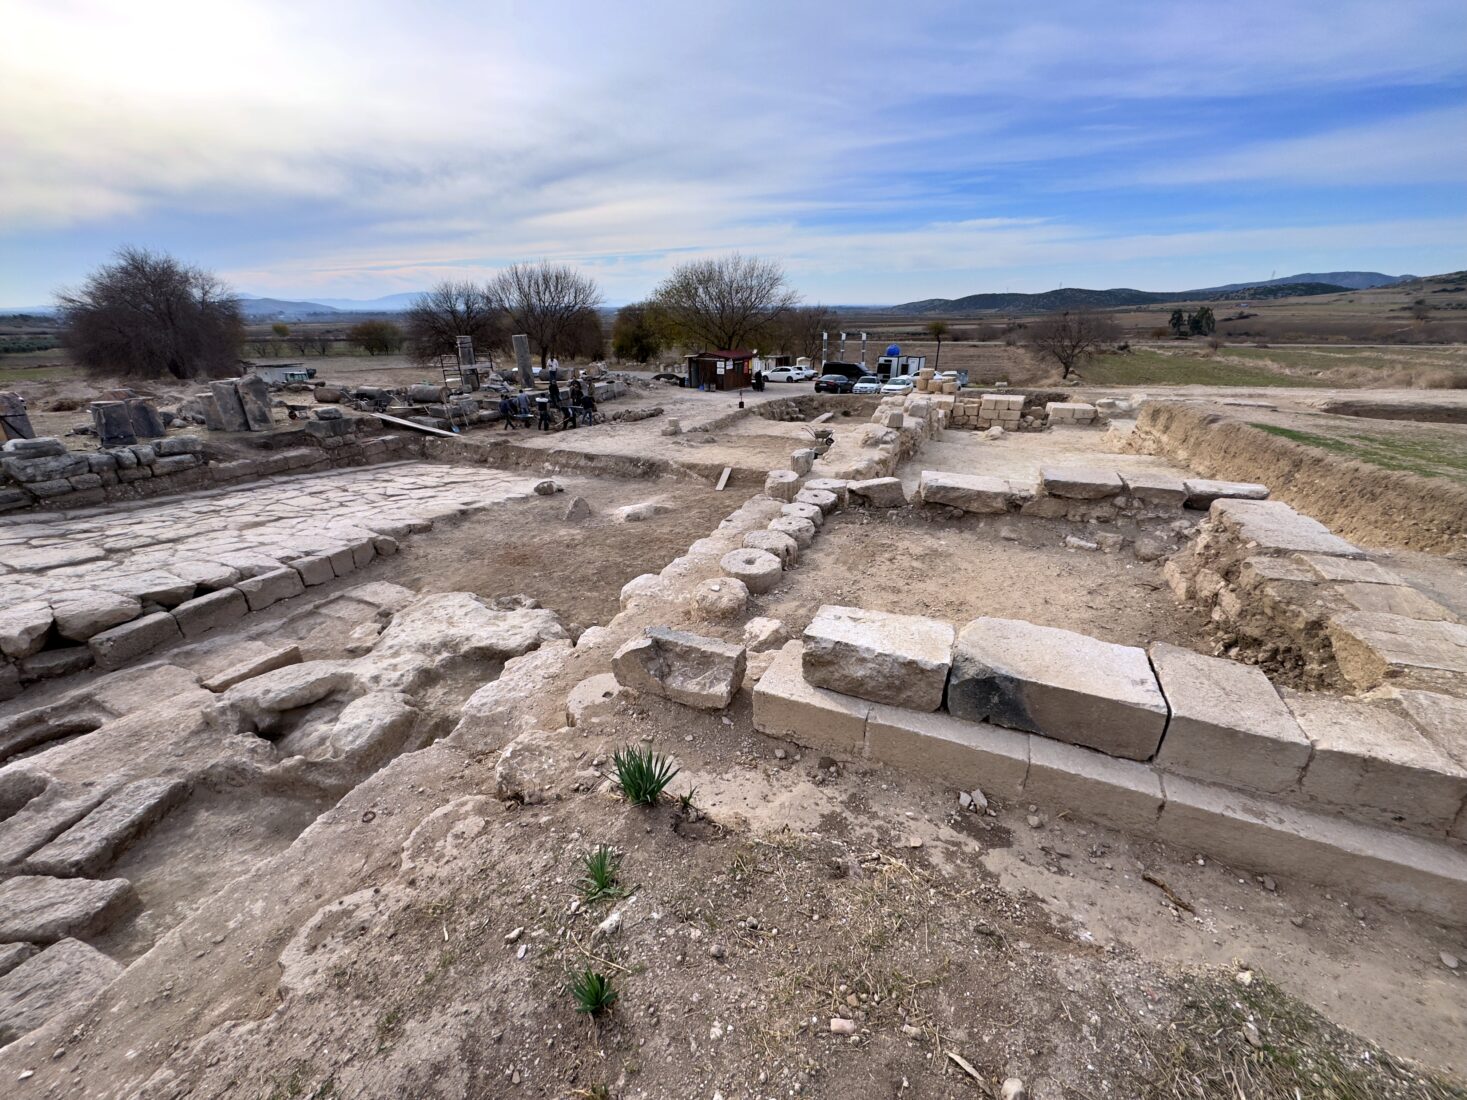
[
  {"x": 1375, "y": 766},
  {"x": 1258, "y": 835},
  {"x": 1272, "y": 527},
  {"x": 1058, "y": 683},
  {"x": 1161, "y": 490},
  {"x": 786, "y": 705},
  {"x": 96, "y": 840},
  {"x": 270, "y": 588},
  {"x": 117, "y": 647},
  {"x": 1201, "y": 492},
  {"x": 898, "y": 659},
  {"x": 686, "y": 668},
  {"x": 1228, "y": 724},
  {"x": 1372, "y": 648},
  {"x": 209, "y": 611},
  {"x": 956, "y": 753},
  {"x": 1094, "y": 786},
  {"x": 64, "y": 976},
  {"x": 1079, "y": 482},
  {"x": 970, "y": 492},
  {"x": 43, "y": 909}
]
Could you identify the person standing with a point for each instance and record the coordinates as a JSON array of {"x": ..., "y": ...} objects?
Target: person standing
[
  {"x": 506, "y": 411},
  {"x": 542, "y": 406},
  {"x": 588, "y": 405},
  {"x": 554, "y": 368},
  {"x": 554, "y": 393}
]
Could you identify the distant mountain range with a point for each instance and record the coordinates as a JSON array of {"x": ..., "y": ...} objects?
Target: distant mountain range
[
  {"x": 287, "y": 309},
  {"x": 1331, "y": 282}
]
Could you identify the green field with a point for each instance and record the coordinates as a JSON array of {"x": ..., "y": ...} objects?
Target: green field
[
  {"x": 1437, "y": 456},
  {"x": 1144, "y": 367}
]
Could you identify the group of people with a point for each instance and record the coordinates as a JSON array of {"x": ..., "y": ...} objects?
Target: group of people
[{"x": 576, "y": 405}]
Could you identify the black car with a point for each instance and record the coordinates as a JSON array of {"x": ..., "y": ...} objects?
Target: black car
[{"x": 834, "y": 383}]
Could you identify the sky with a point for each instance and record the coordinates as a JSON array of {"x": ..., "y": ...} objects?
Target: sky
[{"x": 882, "y": 152}]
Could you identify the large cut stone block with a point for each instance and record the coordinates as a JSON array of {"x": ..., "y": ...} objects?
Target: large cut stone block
[
  {"x": 80, "y": 614},
  {"x": 1161, "y": 490},
  {"x": 1228, "y": 724},
  {"x": 1374, "y": 765},
  {"x": 898, "y": 659},
  {"x": 1392, "y": 599},
  {"x": 1272, "y": 527},
  {"x": 254, "y": 398},
  {"x": 1064, "y": 685},
  {"x": 1372, "y": 648},
  {"x": 231, "y": 410},
  {"x": 953, "y": 752},
  {"x": 1202, "y": 492},
  {"x": 1351, "y": 570},
  {"x": 970, "y": 492},
  {"x": 42, "y": 909},
  {"x": 23, "y": 628},
  {"x": 65, "y": 976},
  {"x": 787, "y": 705},
  {"x": 1442, "y": 719},
  {"x": 99, "y": 838},
  {"x": 272, "y": 587},
  {"x": 686, "y": 668},
  {"x": 879, "y": 492},
  {"x": 1258, "y": 835},
  {"x": 122, "y": 644},
  {"x": 1080, "y": 482},
  {"x": 214, "y": 609},
  {"x": 1093, "y": 785},
  {"x": 113, "y": 424}
]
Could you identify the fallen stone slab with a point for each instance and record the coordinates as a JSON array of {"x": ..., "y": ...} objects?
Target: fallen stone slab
[
  {"x": 270, "y": 588},
  {"x": 23, "y": 629},
  {"x": 210, "y": 611},
  {"x": 44, "y": 909},
  {"x": 231, "y": 410},
  {"x": 1093, "y": 785},
  {"x": 762, "y": 633},
  {"x": 1272, "y": 527},
  {"x": 1374, "y": 765},
  {"x": 1373, "y": 648},
  {"x": 254, "y": 398},
  {"x": 65, "y": 976},
  {"x": 802, "y": 460},
  {"x": 879, "y": 492},
  {"x": 1201, "y": 492},
  {"x": 1159, "y": 490},
  {"x": 1064, "y": 685},
  {"x": 969, "y": 492},
  {"x": 686, "y": 668},
  {"x": 275, "y": 658},
  {"x": 82, "y": 613},
  {"x": 902, "y": 660},
  {"x": 1261, "y": 835},
  {"x": 1228, "y": 724},
  {"x": 49, "y": 813},
  {"x": 98, "y": 839},
  {"x": 123, "y": 644},
  {"x": 1079, "y": 482},
  {"x": 950, "y": 751},
  {"x": 786, "y": 705},
  {"x": 758, "y": 569}
]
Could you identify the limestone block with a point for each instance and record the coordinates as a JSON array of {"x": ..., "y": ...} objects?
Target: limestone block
[
  {"x": 122, "y": 644},
  {"x": 153, "y": 586},
  {"x": 594, "y": 697},
  {"x": 801, "y": 530},
  {"x": 879, "y": 492},
  {"x": 1161, "y": 490},
  {"x": 254, "y": 398},
  {"x": 758, "y": 569},
  {"x": 952, "y": 752},
  {"x": 1201, "y": 492},
  {"x": 231, "y": 410},
  {"x": 43, "y": 468},
  {"x": 50, "y": 663},
  {"x": 269, "y": 661},
  {"x": 1374, "y": 765},
  {"x": 1372, "y": 648},
  {"x": 1272, "y": 527},
  {"x": 838, "y": 486},
  {"x": 84, "y": 612},
  {"x": 1262, "y": 835},
  {"x": 762, "y": 633},
  {"x": 64, "y": 976},
  {"x": 23, "y": 628},
  {"x": 271, "y": 588},
  {"x": 802, "y": 461},
  {"x": 811, "y": 512},
  {"x": 823, "y": 499},
  {"x": 1064, "y": 685},
  {"x": 1442, "y": 719},
  {"x": 90, "y": 845},
  {"x": 112, "y": 423},
  {"x": 211, "y": 610},
  {"x": 720, "y": 598},
  {"x": 44, "y": 909},
  {"x": 12, "y": 955},
  {"x": 1093, "y": 785},
  {"x": 782, "y": 484},
  {"x": 1350, "y": 570},
  {"x": 314, "y": 569},
  {"x": 969, "y": 492},
  {"x": 1079, "y": 482},
  {"x": 902, "y": 660},
  {"x": 1228, "y": 724},
  {"x": 783, "y": 546},
  {"x": 686, "y": 668},
  {"x": 786, "y": 705},
  {"x": 1392, "y": 599}
]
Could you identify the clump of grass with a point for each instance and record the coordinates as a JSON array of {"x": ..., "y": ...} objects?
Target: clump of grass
[
  {"x": 599, "y": 880},
  {"x": 685, "y": 801},
  {"x": 642, "y": 774},
  {"x": 592, "y": 992}
]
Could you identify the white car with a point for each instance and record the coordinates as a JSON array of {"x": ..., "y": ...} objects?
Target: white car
[
  {"x": 784, "y": 374},
  {"x": 900, "y": 384},
  {"x": 867, "y": 383}
]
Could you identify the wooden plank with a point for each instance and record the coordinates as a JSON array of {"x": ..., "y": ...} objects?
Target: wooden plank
[
  {"x": 723, "y": 479},
  {"x": 822, "y": 418},
  {"x": 415, "y": 427}
]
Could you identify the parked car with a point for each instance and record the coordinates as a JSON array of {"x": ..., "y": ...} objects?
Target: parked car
[
  {"x": 900, "y": 384},
  {"x": 803, "y": 374},
  {"x": 867, "y": 383},
  {"x": 834, "y": 383},
  {"x": 670, "y": 378},
  {"x": 784, "y": 374}
]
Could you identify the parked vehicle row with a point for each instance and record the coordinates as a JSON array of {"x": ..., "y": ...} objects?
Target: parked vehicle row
[{"x": 789, "y": 374}]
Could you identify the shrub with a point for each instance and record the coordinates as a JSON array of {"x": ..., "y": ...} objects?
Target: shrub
[
  {"x": 642, "y": 774},
  {"x": 592, "y": 992}
]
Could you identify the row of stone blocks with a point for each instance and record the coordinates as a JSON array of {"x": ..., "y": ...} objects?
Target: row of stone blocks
[
  {"x": 1252, "y": 830},
  {"x": 1079, "y": 492},
  {"x": 1203, "y": 717}
]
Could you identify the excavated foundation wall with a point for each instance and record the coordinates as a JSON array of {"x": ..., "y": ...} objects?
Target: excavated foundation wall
[{"x": 1361, "y": 502}]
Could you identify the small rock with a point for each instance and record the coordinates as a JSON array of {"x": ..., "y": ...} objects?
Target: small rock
[
  {"x": 780, "y": 754},
  {"x": 547, "y": 488},
  {"x": 511, "y": 937},
  {"x": 1269, "y": 884},
  {"x": 1034, "y": 820},
  {"x": 1009, "y": 534},
  {"x": 1297, "y": 921},
  {"x": 1013, "y": 1089},
  {"x": 841, "y": 1026},
  {"x": 610, "y": 926},
  {"x": 1251, "y": 1036},
  {"x": 717, "y": 950},
  {"x": 1074, "y": 543},
  {"x": 1450, "y": 961}
]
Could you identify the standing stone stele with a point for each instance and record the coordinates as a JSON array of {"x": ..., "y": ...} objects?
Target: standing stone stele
[
  {"x": 254, "y": 397},
  {"x": 15, "y": 422},
  {"x": 146, "y": 423},
  {"x": 231, "y": 411},
  {"x": 113, "y": 423},
  {"x": 522, "y": 359}
]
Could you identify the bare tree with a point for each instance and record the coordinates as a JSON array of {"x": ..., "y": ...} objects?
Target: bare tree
[
  {"x": 1068, "y": 338},
  {"x": 552, "y": 304},
  {"x": 729, "y": 302},
  {"x": 147, "y": 315},
  {"x": 438, "y": 318},
  {"x": 798, "y": 331},
  {"x": 375, "y": 337},
  {"x": 937, "y": 330}
]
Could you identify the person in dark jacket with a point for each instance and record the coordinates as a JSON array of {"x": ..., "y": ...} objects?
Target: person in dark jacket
[
  {"x": 554, "y": 394},
  {"x": 588, "y": 405},
  {"x": 542, "y": 405},
  {"x": 507, "y": 411}
]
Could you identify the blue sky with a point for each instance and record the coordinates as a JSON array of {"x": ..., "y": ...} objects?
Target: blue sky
[{"x": 883, "y": 152}]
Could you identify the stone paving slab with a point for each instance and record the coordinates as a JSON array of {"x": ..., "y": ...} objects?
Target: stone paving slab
[
  {"x": 66, "y": 975},
  {"x": 44, "y": 909},
  {"x": 1275, "y": 528},
  {"x": 100, "y": 837},
  {"x": 787, "y": 705},
  {"x": 1080, "y": 482},
  {"x": 969, "y": 492},
  {"x": 1372, "y": 648}
]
